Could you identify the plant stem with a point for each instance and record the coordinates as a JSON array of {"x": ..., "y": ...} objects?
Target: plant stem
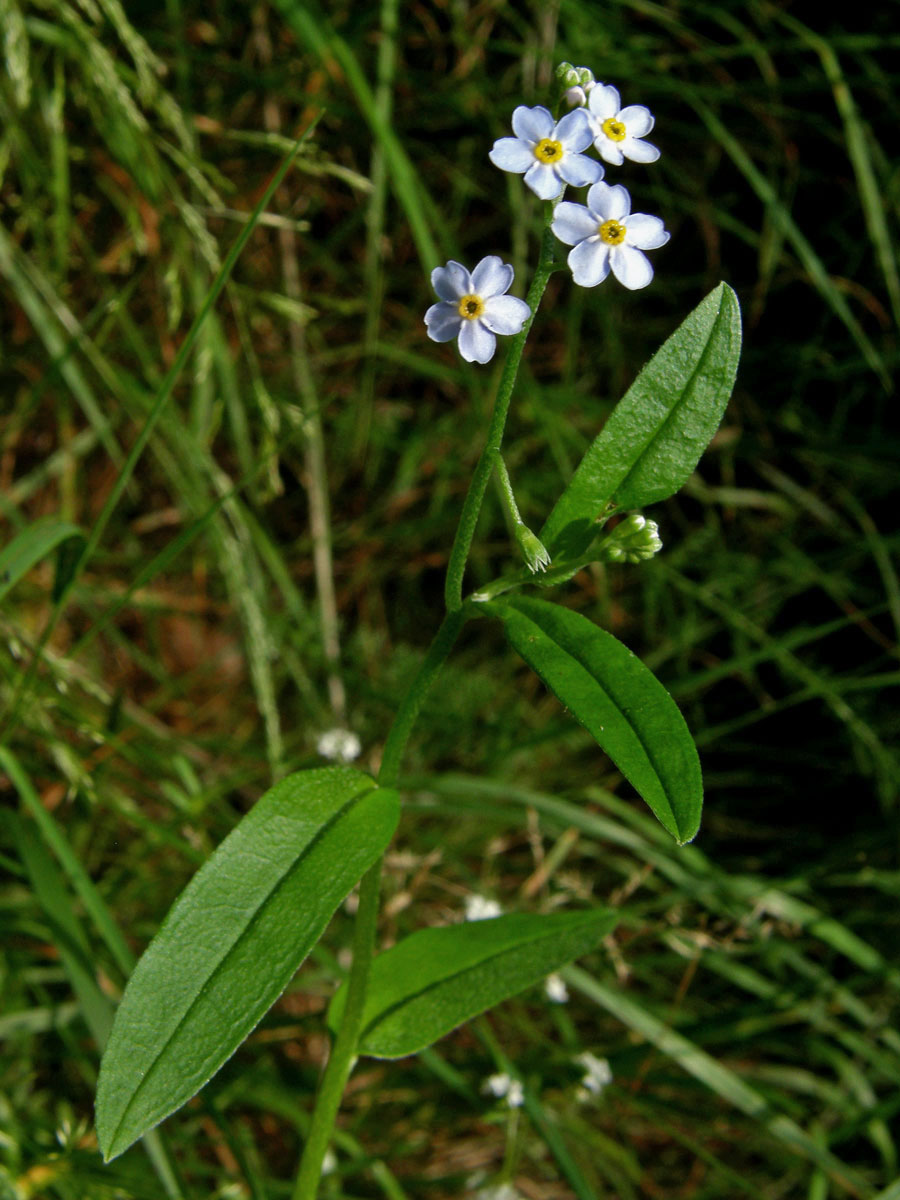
[
  {"x": 343, "y": 1054},
  {"x": 462, "y": 543},
  {"x": 506, "y": 491},
  {"x": 412, "y": 701}
]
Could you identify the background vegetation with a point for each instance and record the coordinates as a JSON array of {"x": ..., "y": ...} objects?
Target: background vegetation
[{"x": 747, "y": 1001}]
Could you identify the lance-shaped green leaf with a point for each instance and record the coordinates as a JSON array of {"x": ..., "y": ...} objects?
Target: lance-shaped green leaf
[
  {"x": 618, "y": 700},
  {"x": 657, "y": 432},
  {"x": 436, "y": 979},
  {"x": 32, "y": 544},
  {"x": 232, "y": 941}
]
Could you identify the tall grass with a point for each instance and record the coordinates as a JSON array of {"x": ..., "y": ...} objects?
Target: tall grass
[{"x": 747, "y": 1004}]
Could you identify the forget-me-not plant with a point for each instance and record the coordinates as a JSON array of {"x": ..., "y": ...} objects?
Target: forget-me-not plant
[{"x": 263, "y": 900}]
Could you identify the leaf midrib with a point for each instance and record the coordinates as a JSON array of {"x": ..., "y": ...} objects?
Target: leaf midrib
[
  {"x": 673, "y": 411},
  {"x": 384, "y": 1014},
  {"x": 566, "y": 517}
]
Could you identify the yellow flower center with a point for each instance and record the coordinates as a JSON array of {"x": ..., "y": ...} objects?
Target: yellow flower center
[
  {"x": 548, "y": 151},
  {"x": 614, "y": 130},
  {"x": 470, "y": 307},
  {"x": 612, "y": 232}
]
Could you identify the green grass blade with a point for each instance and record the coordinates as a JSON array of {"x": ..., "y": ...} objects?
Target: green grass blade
[{"x": 299, "y": 17}]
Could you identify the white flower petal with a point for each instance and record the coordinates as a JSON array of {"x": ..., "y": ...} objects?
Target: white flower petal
[
  {"x": 589, "y": 262},
  {"x": 543, "y": 181},
  {"x": 645, "y": 232},
  {"x": 579, "y": 170},
  {"x": 443, "y": 321},
  {"x": 638, "y": 151},
  {"x": 451, "y": 282},
  {"x": 630, "y": 267},
  {"x": 532, "y": 124},
  {"x": 637, "y": 119},
  {"x": 604, "y": 101},
  {"x": 572, "y": 223},
  {"x": 505, "y": 314},
  {"x": 609, "y": 202},
  {"x": 609, "y": 150},
  {"x": 619, "y": 202},
  {"x": 492, "y": 277},
  {"x": 511, "y": 154},
  {"x": 477, "y": 343},
  {"x": 574, "y": 131}
]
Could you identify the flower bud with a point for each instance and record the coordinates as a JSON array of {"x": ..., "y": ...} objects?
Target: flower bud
[
  {"x": 630, "y": 525},
  {"x": 575, "y": 97},
  {"x": 569, "y": 77},
  {"x": 533, "y": 550},
  {"x": 633, "y": 540}
]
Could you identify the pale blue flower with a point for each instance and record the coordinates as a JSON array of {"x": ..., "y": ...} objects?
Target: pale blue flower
[
  {"x": 618, "y": 131},
  {"x": 547, "y": 152},
  {"x": 475, "y": 307},
  {"x": 607, "y": 236}
]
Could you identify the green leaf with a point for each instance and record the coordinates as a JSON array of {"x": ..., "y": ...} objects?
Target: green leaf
[
  {"x": 34, "y": 543},
  {"x": 232, "y": 941},
  {"x": 436, "y": 979},
  {"x": 657, "y": 432},
  {"x": 618, "y": 700}
]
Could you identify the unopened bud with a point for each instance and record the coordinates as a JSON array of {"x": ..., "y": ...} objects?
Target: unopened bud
[
  {"x": 533, "y": 549},
  {"x": 630, "y": 525},
  {"x": 633, "y": 540},
  {"x": 571, "y": 77},
  {"x": 575, "y": 97}
]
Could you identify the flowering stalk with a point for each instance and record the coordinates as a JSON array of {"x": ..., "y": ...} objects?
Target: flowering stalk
[
  {"x": 343, "y": 1054},
  {"x": 465, "y": 531}
]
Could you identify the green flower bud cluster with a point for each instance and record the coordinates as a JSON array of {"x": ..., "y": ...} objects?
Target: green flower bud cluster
[
  {"x": 568, "y": 76},
  {"x": 533, "y": 549},
  {"x": 576, "y": 83},
  {"x": 632, "y": 540}
]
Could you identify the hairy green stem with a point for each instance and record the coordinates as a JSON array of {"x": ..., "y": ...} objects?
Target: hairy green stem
[
  {"x": 465, "y": 532},
  {"x": 343, "y": 1054},
  {"x": 412, "y": 701},
  {"x": 506, "y": 491}
]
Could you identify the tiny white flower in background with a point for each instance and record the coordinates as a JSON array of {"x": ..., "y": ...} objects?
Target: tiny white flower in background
[
  {"x": 547, "y": 152},
  {"x": 480, "y": 908},
  {"x": 340, "y": 745},
  {"x": 475, "y": 307},
  {"x": 555, "y": 989},
  {"x": 618, "y": 131},
  {"x": 597, "y": 1073},
  {"x": 504, "y": 1085},
  {"x": 606, "y": 236},
  {"x": 329, "y": 1162},
  {"x": 503, "y": 1191}
]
